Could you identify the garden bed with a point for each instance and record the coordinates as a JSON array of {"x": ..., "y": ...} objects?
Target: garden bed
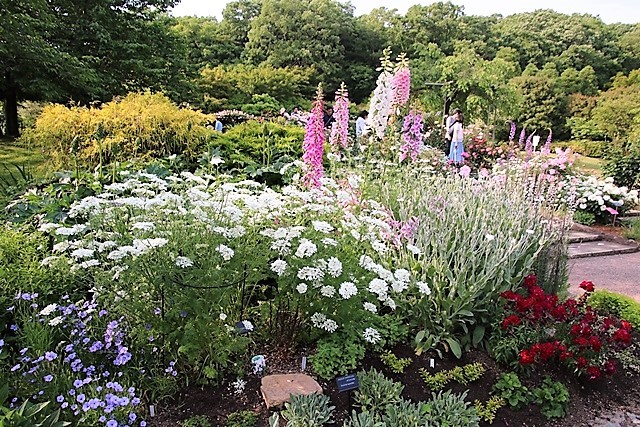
[{"x": 589, "y": 399}]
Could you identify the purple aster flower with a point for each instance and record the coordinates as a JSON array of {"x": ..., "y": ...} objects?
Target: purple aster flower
[
  {"x": 15, "y": 367},
  {"x": 78, "y": 383},
  {"x": 48, "y": 378},
  {"x": 72, "y": 392},
  {"x": 1, "y": 343},
  {"x": 81, "y": 398},
  {"x": 143, "y": 424},
  {"x": 60, "y": 399},
  {"x": 50, "y": 355},
  {"x": 13, "y": 327},
  {"x": 112, "y": 423},
  {"x": 132, "y": 417},
  {"x": 102, "y": 313},
  {"x": 102, "y": 419},
  {"x": 64, "y": 405}
]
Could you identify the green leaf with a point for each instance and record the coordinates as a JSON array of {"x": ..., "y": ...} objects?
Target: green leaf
[
  {"x": 478, "y": 335},
  {"x": 455, "y": 347}
]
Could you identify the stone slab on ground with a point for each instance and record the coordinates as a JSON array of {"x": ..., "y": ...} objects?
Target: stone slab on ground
[
  {"x": 599, "y": 248},
  {"x": 277, "y": 389},
  {"x": 583, "y": 236},
  {"x": 619, "y": 273},
  {"x": 632, "y": 213}
]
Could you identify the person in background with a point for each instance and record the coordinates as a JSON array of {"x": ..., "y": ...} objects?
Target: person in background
[
  {"x": 283, "y": 113},
  {"x": 457, "y": 139},
  {"x": 218, "y": 126},
  {"x": 361, "y": 124},
  {"x": 328, "y": 117},
  {"x": 448, "y": 130}
]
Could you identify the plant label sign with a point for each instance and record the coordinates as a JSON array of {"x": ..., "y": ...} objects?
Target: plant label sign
[
  {"x": 241, "y": 328},
  {"x": 347, "y": 383}
]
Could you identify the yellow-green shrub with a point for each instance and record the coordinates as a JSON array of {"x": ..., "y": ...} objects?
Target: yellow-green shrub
[
  {"x": 140, "y": 125},
  {"x": 618, "y": 305}
]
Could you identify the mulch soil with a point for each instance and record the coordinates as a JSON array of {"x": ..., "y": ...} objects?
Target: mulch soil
[{"x": 589, "y": 399}]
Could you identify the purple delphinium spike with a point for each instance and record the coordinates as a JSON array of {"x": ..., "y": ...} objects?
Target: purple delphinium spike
[
  {"x": 512, "y": 132},
  {"x": 523, "y": 134},
  {"x": 547, "y": 145}
]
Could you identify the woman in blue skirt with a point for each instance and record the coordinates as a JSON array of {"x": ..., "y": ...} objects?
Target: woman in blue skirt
[{"x": 457, "y": 139}]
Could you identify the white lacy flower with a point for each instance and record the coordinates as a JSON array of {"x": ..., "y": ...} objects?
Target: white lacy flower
[
  {"x": 48, "y": 260},
  {"x": 379, "y": 287},
  {"x": 279, "y": 266},
  {"x": 490, "y": 237},
  {"x": 302, "y": 288},
  {"x": 89, "y": 263},
  {"x": 247, "y": 325},
  {"x": 144, "y": 226},
  {"x": 49, "y": 309},
  {"x": 61, "y": 247},
  {"x": 402, "y": 275},
  {"x": 306, "y": 249},
  {"x": 47, "y": 227},
  {"x": 82, "y": 253},
  {"x": 66, "y": 231},
  {"x": 225, "y": 251},
  {"x": 367, "y": 263},
  {"x": 423, "y": 288},
  {"x": 370, "y": 307},
  {"x": 347, "y": 290},
  {"x": 282, "y": 246},
  {"x": 334, "y": 267},
  {"x": 55, "y": 321},
  {"x": 310, "y": 273},
  {"x": 414, "y": 250},
  {"x": 184, "y": 262},
  {"x": 328, "y": 241},
  {"x": 322, "y": 226},
  {"x": 328, "y": 291},
  {"x": 223, "y": 317},
  {"x": 371, "y": 335},
  {"x": 318, "y": 319},
  {"x": 329, "y": 325}
]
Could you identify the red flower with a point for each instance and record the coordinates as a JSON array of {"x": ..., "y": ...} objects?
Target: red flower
[
  {"x": 610, "y": 367},
  {"x": 581, "y": 362},
  {"x": 595, "y": 343},
  {"x": 587, "y": 286},
  {"x": 526, "y": 357},
  {"x": 509, "y": 295},
  {"x": 530, "y": 280},
  {"x": 622, "y": 335},
  {"x": 593, "y": 372},
  {"x": 564, "y": 355},
  {"x": 559, "y": 312},
  {"x": 511, "y": 320},
  {"x": 625, "y": 325},
  {"x": 581, "y": 342}
]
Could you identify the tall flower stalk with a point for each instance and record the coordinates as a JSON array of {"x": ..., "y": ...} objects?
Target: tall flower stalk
[
  {"x": 340, "y": 129},
  {"x": 512, "y": 131},
  {"x": 523, "y": 134},
  {"x": 381, "y": 104},
  {"x": 313, "y": 144},
  {"x": 547, "y": 145},
  {"x": 412, "y": 136},
  {"x": 401, "y": 82}
]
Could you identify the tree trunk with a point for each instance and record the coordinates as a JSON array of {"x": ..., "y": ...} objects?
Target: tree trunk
[{"x": 11, "y": 107}]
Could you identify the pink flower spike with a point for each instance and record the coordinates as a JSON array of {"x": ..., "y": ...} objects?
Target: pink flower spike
[
  {"x": 313, "y": 144},
  {"x": 401, "y": 84},
  {"x": 340, "y": 128},
  {"x": 412, "y": 136}
]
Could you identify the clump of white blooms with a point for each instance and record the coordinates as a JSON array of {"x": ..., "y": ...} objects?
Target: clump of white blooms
[
  {"x": 184, "y": 262},
  {"x": 302, "y": 288},
  {"x": 226, "y": 252},
  {"x": 306, "y": 249},
  {"x": 371, "y": 335},
  {"x": 279, "y": 266},
  {"x": 347, "y": 290},
  {"x": 334, "y": 267}
]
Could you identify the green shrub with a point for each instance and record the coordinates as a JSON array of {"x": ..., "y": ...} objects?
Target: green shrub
[
  {"x": 196, "y": 421},
  {"x": 334, "y": 357},
  {"x": 584, "y": 217},
  {"x": 28, "y": 414},
  {"x": 405, "y": 414},
  {"x": 511, "y": 390},
  {"x": 487, "y": 412},
  {"x": 632, "y": 230},
  {"x": 140, "y": 125},
  {"x": 461, "y": 374},
  {"x": 552, "y": 398},
  {"x": 376, "y": 392},
  {"x": 622, "y": 162},
  {"x": 242, "y": 419},
  {"x": 312, "y": 410},
  {"x": 584, "y": 147},
  {"x": 448, "y": 410},
  {"x": 262, "y": 105},
  {"x": 363, "y": 419},
  {"x": 258, "y": 149},
  {"x": 397, "y": 365},
  {"x": 618, "y": 305}
]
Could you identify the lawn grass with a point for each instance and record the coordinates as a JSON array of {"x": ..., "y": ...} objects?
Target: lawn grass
[
  {"x": 14, "y": 154},
  {"x": 589, "y": 165}
]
